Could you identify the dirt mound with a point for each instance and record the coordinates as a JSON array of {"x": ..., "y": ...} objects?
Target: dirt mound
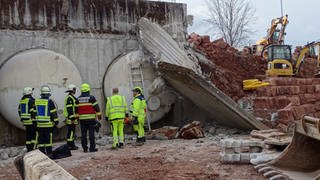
[{"x": 228, "y": 67}]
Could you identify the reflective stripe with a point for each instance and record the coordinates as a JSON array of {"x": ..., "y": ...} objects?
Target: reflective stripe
[
  {"x": 70, "y": 137},
  {"x": 25, "y": 111},
  {"x": 87, "y": 116},
  {"x": 95, "y": 103},
  {"x": 27, "y": 122},
  {"x": 116, "y": 107},
  {"x": 45, "y": 124},
  {"x": 42, "y": 109},
  {"x": 52, "y": 111},
  {"x": 85, "y": 104},
  {"x": 73, "y": 105}
]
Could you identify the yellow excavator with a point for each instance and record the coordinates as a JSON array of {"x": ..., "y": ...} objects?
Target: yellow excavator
[
  {"x": 280, "y": 62},
  {"x": 275, "y": 35}
]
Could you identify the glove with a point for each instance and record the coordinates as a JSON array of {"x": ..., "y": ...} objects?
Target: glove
[
  {"x": 127, "y": 115},
  {"x": 134, "y": 120},
  {"x": 99, "y": 117},
  {"x": 56, "y": 123},
  {"x": 106, "y": 118},
  {"x": 126, "y": 120},
  {"x": 97, "y": 126}
]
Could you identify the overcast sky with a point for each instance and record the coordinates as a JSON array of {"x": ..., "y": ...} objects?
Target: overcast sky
[{"x": 304, "y": 18}]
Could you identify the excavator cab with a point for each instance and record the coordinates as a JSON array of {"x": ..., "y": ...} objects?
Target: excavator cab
[{"x": 279, "y": 61}]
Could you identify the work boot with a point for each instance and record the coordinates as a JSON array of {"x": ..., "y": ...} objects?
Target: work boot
[
  {"x": 85, "y": 150},
  {"x": 93, "y": 150},
  {"x": 143, "y": 139},
  {"x": 120, "y": 145}
]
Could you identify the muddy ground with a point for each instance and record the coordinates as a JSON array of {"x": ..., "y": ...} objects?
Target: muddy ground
[{"x": 156, "y": 159}]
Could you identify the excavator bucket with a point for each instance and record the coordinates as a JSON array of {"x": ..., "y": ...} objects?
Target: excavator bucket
[{"x": 301, "y": 159}]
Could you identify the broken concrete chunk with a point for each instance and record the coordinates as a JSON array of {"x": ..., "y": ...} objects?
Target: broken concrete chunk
[
  {"x": 164, "y": 133},
  {"x": 191, "y": 131},
  {"x": 273, "y": 137}
]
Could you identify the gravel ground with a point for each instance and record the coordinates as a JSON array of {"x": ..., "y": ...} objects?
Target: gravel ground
[{"x": 156, "y": 159}]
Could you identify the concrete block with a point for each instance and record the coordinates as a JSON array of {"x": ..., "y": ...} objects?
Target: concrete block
[
  {"x": 245, "y": 157},
  {"x": 38, "y": 166},
  {"x": 231, "y": 158}
]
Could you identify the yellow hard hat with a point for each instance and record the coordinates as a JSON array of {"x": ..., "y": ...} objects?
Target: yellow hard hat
[
  {"x": 137, "y": 89},
  {"x": 85, "y": 87}
]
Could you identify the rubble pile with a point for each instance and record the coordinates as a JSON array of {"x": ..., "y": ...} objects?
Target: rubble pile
[
  {"x": 228, "y": 67},
  {"x": 288, "y": 98}
]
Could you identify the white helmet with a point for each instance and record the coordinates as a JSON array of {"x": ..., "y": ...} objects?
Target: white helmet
[
  {"x": 45, "y": 89},
  {"x": 71, "y": 87},
  {"x": 27, "y": 91}
]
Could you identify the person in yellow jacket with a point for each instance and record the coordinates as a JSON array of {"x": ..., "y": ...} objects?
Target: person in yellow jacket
[
  {"x": 116, "y": 111},
  {"x": 138, "y": 113},
  {"x": 26, "y": 112},
  {"x": 70, "y": 112},
  {"x": 47, "y": 120}
]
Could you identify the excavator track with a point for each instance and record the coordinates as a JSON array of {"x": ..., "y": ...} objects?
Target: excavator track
[{"x": 301, "y": 159}]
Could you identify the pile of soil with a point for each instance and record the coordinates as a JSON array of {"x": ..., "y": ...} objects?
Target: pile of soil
[{"x": 228, "y": 67}]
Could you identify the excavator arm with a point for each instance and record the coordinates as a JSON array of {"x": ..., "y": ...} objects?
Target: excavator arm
[
  {"x": 302, "y": 54},
  {"x": 283, "y": 21}
]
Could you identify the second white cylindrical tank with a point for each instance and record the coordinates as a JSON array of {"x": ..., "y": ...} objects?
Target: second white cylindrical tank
[{"x": 119, "y": 74}]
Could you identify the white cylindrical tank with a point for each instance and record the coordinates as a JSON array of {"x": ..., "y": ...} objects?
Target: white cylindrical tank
[
  {"x": 34, "y": 68},
  {"x": 123, "y": 74}
]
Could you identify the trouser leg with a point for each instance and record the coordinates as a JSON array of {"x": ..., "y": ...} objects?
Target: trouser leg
[
  {"x": 115, "y": 133},
  {"x": 33, "y": 137},
  {"x": 41, "y": 140},
  {"x": 120, "y": 130},
  {"x": 140, "y": 128},
  {"x": 91, "y": 135},
  {"x": 30, "y": 137},
  {"x": 70, "y": 135},
  {"x": 84, "y": 129},
  {"x": 48, "y": 141}
]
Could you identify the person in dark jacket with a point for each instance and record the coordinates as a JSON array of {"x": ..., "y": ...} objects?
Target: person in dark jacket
[
  {"x": 26, "y": 112},
  {"x": 88, "y": 109},
  {"x": 70, "y": 111},
  {"x": 47, "y": 120}
]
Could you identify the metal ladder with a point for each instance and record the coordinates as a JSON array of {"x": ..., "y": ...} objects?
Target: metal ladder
[{"x": 136, "y": 79}]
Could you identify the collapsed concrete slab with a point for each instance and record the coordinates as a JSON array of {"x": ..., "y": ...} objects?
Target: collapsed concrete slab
[
  {"x": 184, "y": 75},
  {"x": 37, "y": 165}
]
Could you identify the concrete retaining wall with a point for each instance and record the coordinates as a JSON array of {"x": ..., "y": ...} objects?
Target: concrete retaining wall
[{"x": 90, "y": 35}]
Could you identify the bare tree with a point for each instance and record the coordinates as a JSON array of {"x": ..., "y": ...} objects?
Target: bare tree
[{"x": 232, "y": 20}]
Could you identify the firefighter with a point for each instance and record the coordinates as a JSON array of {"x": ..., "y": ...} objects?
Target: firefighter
[
  {"x": 88, "y": 110},
  {"x": 116, "y": 108},
  {"x": 138, "y": 113},
  {"x": 70, "y": 112},
  {"x": 47, "y": 120},
  {"x": 26, "y": 112}
]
